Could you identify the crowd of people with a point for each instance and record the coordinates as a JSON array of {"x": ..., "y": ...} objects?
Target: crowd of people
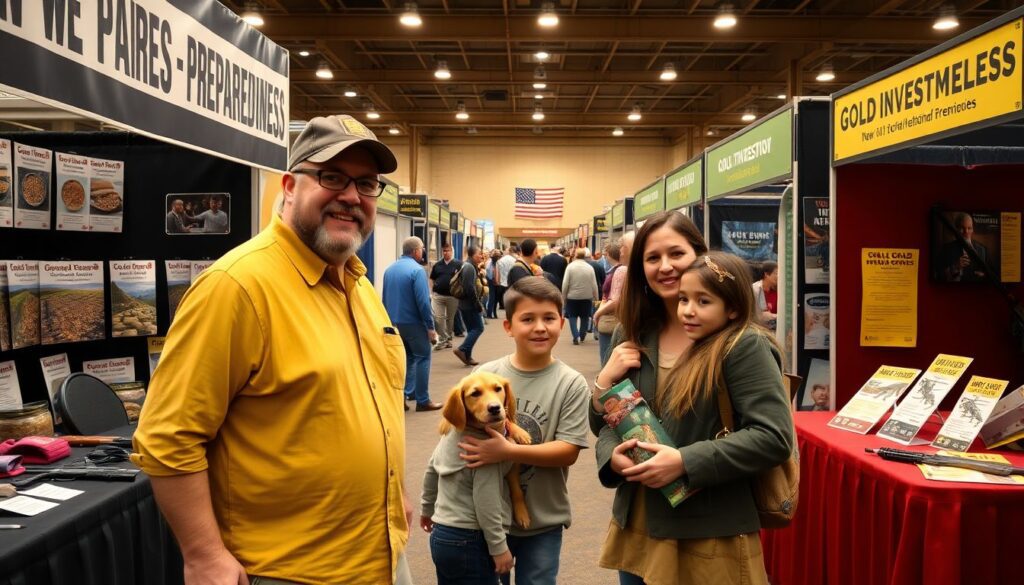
[{"x": 284, "y": 462}]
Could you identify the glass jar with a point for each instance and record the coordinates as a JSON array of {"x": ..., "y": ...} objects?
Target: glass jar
[
  {"x": 32, "y": 419},
  {"x": 132, "y": 395}
]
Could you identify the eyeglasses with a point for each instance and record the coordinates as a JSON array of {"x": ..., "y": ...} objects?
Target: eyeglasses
[{"x": 338, "y": 181}]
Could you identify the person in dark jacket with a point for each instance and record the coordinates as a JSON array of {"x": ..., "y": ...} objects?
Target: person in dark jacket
[
  {"x": 469, "y": 304},
  {"x": 555, "y": 264}
]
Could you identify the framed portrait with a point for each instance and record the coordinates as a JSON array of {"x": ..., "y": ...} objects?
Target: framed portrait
[{"x": 191, "y": 214}]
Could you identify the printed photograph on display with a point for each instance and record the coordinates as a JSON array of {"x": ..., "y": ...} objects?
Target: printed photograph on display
[
  {"x": 815, "y": 237},
  {"x": 951, "y": 261},
  {"x": 197, "y": 214},
  {"x": 72, "y": 180},
  {"x": 179, "y": 278},
  {"x": 71, "y": 302},
  {"x": 817, "y": 387},
  {"x": 133, "y": 298},
  {"x": 754, "y": 241}
]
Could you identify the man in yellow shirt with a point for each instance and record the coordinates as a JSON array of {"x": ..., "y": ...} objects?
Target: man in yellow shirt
[{"x": 274, "y": 427}]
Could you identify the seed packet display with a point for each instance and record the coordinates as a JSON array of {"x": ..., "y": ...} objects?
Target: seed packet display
[
  {"x": 32, "y": 169},
  {"x": 970, "y": 413},
  {"x": 179, "y": 277},
  {"x": 6, "y": 185},
  {"x": 133, "y": 298},
  {"x": 72, "y": 201},
  {"x": 5, "y": 316},
  {"x": 106, "y": 195},
  {"x": 23, "y": 301},
  {"x": 198, "y": 266},
  {"x": 71, "y": 301},
  {"x": 922, "y": 400}
]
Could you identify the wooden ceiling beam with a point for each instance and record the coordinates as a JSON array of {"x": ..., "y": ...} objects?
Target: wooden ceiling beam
[{"x": 421, "y": 77}]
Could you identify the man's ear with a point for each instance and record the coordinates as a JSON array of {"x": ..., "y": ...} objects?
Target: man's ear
[{"x": 454, "y": 412}]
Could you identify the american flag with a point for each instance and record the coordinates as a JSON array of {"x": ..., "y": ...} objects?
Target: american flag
[{"x": 539, "y": 203}]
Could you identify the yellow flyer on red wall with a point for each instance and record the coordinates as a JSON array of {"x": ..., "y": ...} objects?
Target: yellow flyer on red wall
[
  {"x": 888, "y": 314},
  {"x": 976, "y": 80}
]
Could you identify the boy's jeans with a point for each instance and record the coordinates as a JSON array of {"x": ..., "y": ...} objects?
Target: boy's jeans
[{"x": 536, "y": 558}]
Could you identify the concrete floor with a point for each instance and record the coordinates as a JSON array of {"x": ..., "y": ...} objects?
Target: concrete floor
[{"x": 591, "y": 503}]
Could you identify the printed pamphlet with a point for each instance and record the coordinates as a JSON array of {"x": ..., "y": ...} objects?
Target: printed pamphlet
[
  {"x": 179, "y": 277},
  {"x": 6, "y": 185},
  {"x": 874, "y": 399},
  {"x": 628, "y": 414},
  {"x": 106, "y": 195},
  {"x": 924, "y": 398},
  {"x": 818, "y": 387},
  {"x": 155, "y": 345},
  {"x": 198, "y": 266},
  {"x": 32, "y": 169},
  {"x": 10, "y": 390},
  {"x": 72, "y": 186},
  {"x": 133, "y": 298},
  {"x": 815, "y": 237},
  {"x": 970, "y": 413},
  {"x": 111, "y": 371},
  {"x": 71, "y": 301},
  {"x": 23, "y": 300},
  {"x": 56, "y": 368},
  {"x": 5, "y": 316},
  {"x": 946, "y": 473}
]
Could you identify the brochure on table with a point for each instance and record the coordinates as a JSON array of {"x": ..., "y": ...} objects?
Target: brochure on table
[
  {"x": 56, "y": 368},
  {"x": 874, "y": 399},
  {"x": 73, "y": 172},
  {"x": 10, "y": 390},
  {"x": 111, "y": 371},
  {"x": 945, "y": 473},
  {"x": 6, "y": 185},
  {"x": 922, "y": 400},
  {"x": 1005, "y": 424},
  {"x": 970, "y": 413},
  {"x": 71, "y": 302},
  {"x": 32, "y": 168}
]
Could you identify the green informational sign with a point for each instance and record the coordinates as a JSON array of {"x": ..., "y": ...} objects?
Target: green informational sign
[
  {"x": 649, "y": 200},
  {"x": 761, "y": 154},
  {"x": 433, "y": 212},
  {"x": 600, "y": 223},
  {"x": 446, "y": 218},
  {"x": 618, "y": 214},
  {"x": 412, "y": 205},
  {"x": 683, "y": 187},
  {"x": 388, "y": 200}
]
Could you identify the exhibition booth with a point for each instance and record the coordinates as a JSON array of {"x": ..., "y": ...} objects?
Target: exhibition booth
[
  {"x": 599, "y": 232},
  {"x": 684, "y": 189},
  {"x": 649, "y": 200}
]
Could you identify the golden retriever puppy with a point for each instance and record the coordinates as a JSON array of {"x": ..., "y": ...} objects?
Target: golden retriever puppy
[{"x": 484, "y": 400}]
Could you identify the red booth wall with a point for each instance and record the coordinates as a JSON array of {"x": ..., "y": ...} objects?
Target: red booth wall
[{"x": 888, "y": 206}]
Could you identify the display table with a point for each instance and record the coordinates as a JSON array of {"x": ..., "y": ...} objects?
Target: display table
[
  {"x": 113, "y": 534},
  {"x": 864, "y": 520}
]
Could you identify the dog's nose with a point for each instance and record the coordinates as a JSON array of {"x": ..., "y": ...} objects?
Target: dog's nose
[{"x": 494, "y": 408}]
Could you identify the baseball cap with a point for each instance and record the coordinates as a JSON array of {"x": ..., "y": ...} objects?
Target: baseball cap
[{"x": 324, "y": 137}]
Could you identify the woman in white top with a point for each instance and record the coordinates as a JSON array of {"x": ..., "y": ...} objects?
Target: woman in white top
[{"x": 579, "y": 289}]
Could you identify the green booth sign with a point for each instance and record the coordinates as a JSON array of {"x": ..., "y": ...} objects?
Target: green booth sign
[
  {"x": 759, "y": 155},
  {"x": 618, "y": 214},
  {"x": 433, "y": 212},
  {"x": 388, "y": 199},
  {"x": 649, "y": 200},
  {"x": 683, "y": 187},
  {"x": 600, "y": 223},
  {"x": 446, "y": 218}
]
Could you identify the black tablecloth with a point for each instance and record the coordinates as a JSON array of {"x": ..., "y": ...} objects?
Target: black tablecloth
[{"x": 113, "y": 534}]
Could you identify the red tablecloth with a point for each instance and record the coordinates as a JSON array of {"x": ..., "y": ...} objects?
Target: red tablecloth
[{"x": 864, "y": 520}]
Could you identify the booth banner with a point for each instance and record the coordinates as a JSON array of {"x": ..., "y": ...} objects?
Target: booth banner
[
  {"x": 874, "y": 399},
  {"x": 754, "y": 241},
  {"x": 6, "y": 185},
  {"x": 683, "y": 187},
  {"x": 133, "y": 298},
  {"x": 56, "y": 368},
  {"x": 1009, "y": 242},
  {"x": 111, "y": 371},
  {"x": 412, "y": 205},
  {"x": 600, "y": 223},
  {"x": 970, "y": 413},
  {"x": 106, "y": 195},
  {"x": 188, "y": 71},
  {"x": 618, "y": 214},
  {"x": 10, "y": 390},
  {"x": 71, "y": 302},
  {"x": 73, "y": 174},
  {"x": 888, "y": 313},
  {"x": 650, "y": 200},
  {"x": 816, "y": 320},
  {"x": 922, "y": 400},
  {"x": 198, "y": 267},
  {"x": 818, "y": 387},
  {"x": 433, "y": 212},
  {"x": 815, "y": 237},
  {"x": 5, "y": 322},
  {"x": 23, "y": 302},
  {"x": 32, "y": 169},
  {"x": 759, "y": 155},
  {"x": 444, "y": 218},
  {"x": 179, "y": 278},
  {"x": 388, "y": 200},
  {"x": 949, "y": 90}
]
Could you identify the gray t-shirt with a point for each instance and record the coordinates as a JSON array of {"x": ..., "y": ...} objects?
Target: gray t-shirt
[
  {"x": 551, "y": 405},
  {"x": 213, "y": 223}
]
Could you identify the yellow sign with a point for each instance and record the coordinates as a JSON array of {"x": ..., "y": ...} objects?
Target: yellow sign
[
  {"x": 974, "y": 81},
  {"x": 888, "y": 312},
  {"x": 1009, "y": 247}
]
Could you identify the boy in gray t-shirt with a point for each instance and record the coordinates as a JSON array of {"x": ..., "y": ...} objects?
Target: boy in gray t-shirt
[{"x": 551, "y": 404}]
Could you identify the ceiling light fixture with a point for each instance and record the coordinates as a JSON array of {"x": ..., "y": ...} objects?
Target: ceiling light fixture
[
  {"x": 538, "y": 113},
  {"x": 712, "y": 132},
  {"x": 617, "y": 132},
  {"x": 350, "y": 93},
  {"x": 394, "y": 131},
  {"x": 538, "y": 96},
  {"x": 371, "y": 111},
  {"x": 548, "y": 17},
  {"x": 540, "y": 86},
  {"x": 541, "y": 55},
  {"x": 252, "y": 15},
  {"x": 323, "y": 70},
  {"x": 669, "y": 72},
  {"x": 826, "y": 73},
  {"x": 781, "y": 96},
  {"x": 947, "y": 18},
  {"x": 460, "y": 111},
  {"x": 635, "y": 115},
  {"x": 411, "y": 16},
  {"x": 442, "y": 71},
  {"x": 748, "y": 116},
  {"x": 726, "y": 18},
  {"x": 304, "y": 53}
]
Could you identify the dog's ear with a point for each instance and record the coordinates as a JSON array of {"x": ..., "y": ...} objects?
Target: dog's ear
[
  {"x": 510, "y": 401},
  {"x": 454, "y": 413}
]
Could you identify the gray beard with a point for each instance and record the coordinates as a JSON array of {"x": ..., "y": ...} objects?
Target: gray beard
[{"x": 333, "y": 252}]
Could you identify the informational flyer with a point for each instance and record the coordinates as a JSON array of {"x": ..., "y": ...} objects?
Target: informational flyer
[
  {"x": 815, "y": 237},
  {"x": 888, "y": 312},
  {"x": 155, "y": 347},
  {"x": 32, "y": 169},
  {"x": 874, "y": 399},
  {"x": 970, "y": 413},
  {"x": 23, "y": 301},
  {"x": 817, "y": 394},
  {"x": 5, "y": 315},
  {"x": 56, "y": 368},
  {"x": 753, "y": 241},
  {"x": 6, "y": 185},
  {"x": 945, "y": 473},
  {"x": 179, "y": 277},
  {"x": 10, "y": 390},
  {"x": 198, "y": 266},
  {"x": 71, "y": 301},
  {"x": 112, "y": 370},
  {"x": 133, "y": 298},
  {"x": 1009, "y": 244},
  {"x": 72, "y": 185},
  {"x": 816, "y": 320},
  {"x": 106, "y": 195},
  {"x": 924, "y": 398},
  {"x": 1005, "y": 423}
]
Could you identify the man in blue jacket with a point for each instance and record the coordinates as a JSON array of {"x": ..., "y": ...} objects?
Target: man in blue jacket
[{"x": 407, "y": 301}]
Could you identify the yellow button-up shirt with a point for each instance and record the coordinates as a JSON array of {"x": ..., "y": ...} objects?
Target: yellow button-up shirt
[{"x": 283, "y": 378}]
